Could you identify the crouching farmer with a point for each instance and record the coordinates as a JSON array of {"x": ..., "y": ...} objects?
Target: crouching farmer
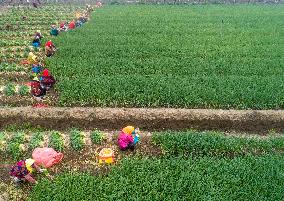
[
  {"x": 36, "y": 68},
  {"x": 23, "y": 170},
  {"x": 36, "y": 42},
  {"x": 32, "y": 58},
  {"x": 54, "y": 31},
  {"x": 128, "y": 138},
  {"x": 49, "y": 48},
  {"x": 37, "y": 91},
  {"x": 47, "y": 80}
]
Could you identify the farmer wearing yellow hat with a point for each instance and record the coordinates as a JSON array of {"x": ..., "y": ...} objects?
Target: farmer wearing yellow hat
[
  {"x": 32, "y": 58},
  {"x": 23, "y": 169},
  {"x": 128, "y": 138},
  {"x": 78, "y": 15}
]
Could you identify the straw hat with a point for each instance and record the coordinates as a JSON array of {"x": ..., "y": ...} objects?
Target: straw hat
[{"x": 128, "y": 130}]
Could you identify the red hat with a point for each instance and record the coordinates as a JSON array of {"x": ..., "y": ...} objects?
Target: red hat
[
  {"x": 49, "y": 43},
  {"x": 45, "y": 72}
]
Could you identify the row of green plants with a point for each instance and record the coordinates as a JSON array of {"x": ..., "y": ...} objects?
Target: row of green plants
[
  {"x": 25, "y": 28},
  {"x": 28, "y": 23},
  {"x": 18, "y": 42},
  {"x": 45, "y": 10},
  {"x": 10, "y": 67},
  {"x": 169, "y": 91},
  {"x": 16, "y": 34},
  {"x": 13, "y": 60},
  {"x": 18, "y": 144},
  {"x": 173, "y": 56},
  {"x": 194, "y": 143},
  {"x": 10, "y": 90},
  {"x": 16, "y": 49},
  {"x": 7, "y": 55}
]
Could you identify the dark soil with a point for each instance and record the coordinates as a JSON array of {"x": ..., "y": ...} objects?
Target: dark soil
[
  {"x": 15, "y": 100},
  {"x": 27, "y": 101}
]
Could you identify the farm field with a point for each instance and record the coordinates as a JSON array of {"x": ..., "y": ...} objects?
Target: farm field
[
  {"x": 16, "y": 36},
  {"x": 212, "y": 56},
  {"x": 194, "y": 56},
  {"x": 183, "y": 166}
]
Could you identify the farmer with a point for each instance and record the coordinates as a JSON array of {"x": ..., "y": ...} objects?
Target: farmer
[
  {"x": 23, "y": 169},
  {"x": 72, "y": 25},
  {"x": 49, "y": 48},
  {"x": 98, "y": 4},
  {"x": 128, "y": 137},
  {"x": 83, "y": 18},
  {"x": 79, "y": 23},
  {"x": 36, "y": 68},
  {"x": 63, "y": 26},
  {"x": 36, "y": 42},
  {"x": 77, "y": 15},
  {"x": 46, "y": 80},
  {"x": 54, "y": 31},
  {"x": 38, "y": 34},
  {"x": 32, "y": 58},
  {"x": 37, "y": 91}
]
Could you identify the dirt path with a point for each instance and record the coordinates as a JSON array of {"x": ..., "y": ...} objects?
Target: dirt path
[{"x": 145, "y": 118}]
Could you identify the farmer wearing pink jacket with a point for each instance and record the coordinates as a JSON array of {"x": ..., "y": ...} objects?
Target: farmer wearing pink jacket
[{"x": 128, "y": 137}]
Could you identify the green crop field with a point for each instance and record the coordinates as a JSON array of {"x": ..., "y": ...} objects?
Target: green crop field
[
  {"x": 210, "y": 172},
  {"x": 211, "y": 56}
]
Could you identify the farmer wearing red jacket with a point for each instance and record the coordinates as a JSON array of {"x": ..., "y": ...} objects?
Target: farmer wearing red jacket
[
  {"x": 128, "y": 137},
  {"x": 72, "y": 24},
  {"x": 49, "y": 48}
]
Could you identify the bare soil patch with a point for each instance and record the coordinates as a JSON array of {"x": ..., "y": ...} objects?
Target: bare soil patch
[{"x": 148, "y": 119}]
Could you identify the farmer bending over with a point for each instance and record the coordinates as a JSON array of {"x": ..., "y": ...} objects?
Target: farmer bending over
[
  {"x": 36, "y": 42},
  {"x": 63, "y": 26},
  {"x": 79, "y": 23},
  {"x": 54, "y": 31},
  {"x": 128, "y": 138},
  {"x": 38, "y": 34},
  {"x": 22, "y": 171},
  {"x": 72, "y": 25},
  {"x": 46, "y": 80},
  {"x": 49, "y": 48},
  {"x": 32, "y": 58},
  {"x": 37, "y": 91},
  {"x": 36, "y": 68}
]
